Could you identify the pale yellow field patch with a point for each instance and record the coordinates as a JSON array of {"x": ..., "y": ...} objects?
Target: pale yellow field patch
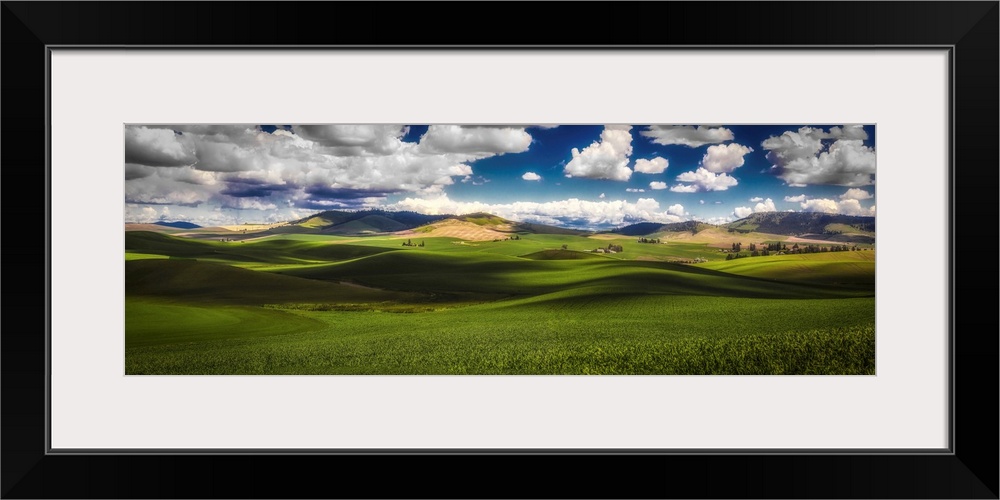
[{"x": 463, "y": 230}]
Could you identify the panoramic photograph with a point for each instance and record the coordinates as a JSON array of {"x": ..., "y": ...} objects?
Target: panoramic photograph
[{"x": 499, "y": 249}]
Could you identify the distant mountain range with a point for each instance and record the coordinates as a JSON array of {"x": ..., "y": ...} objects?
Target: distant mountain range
[
  {"x": 830, "y": 226},
  {"x": 361, "y": 222},
  {"x": 834, "y": 227},
  {"x": 178, "y": 224},
  {"x": 645, "y": 228},
  {"x": 383, "y": 221}
]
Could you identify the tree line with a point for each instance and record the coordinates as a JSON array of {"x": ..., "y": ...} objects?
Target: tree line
[{"x": 766, "y": 250}]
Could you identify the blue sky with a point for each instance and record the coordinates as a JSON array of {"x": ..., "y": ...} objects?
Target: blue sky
[{"x": 595, "y": 176}]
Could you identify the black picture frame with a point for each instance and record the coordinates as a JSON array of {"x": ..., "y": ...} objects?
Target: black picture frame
[{"x": 969, "y": 470}]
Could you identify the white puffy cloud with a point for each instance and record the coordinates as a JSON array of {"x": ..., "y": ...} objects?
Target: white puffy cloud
[
  {"x": 570, "y": 212},
  {"x": 685, "y": 188},
  {"x": 657, "y": 185},
  {"x": 676, "y": 209},
  {"x": 635, "y": 190},
  {"x": 764, "y": 206},
  {"x": 604, "y": 159},
  {"x": 687, "y": 135},
  {"x": 711, "y": 174},
  {"x": 856, "y": 194},
  {"x": 701, "y": 202},
  {"x": 601, "y": 196},
  {"x": 531, "y": 176},
  {"x": 703, "y": 180},
  {"x": 756, "y": 198},
  {"x": 473, "y": 140},
  {"x": 652, "y": 166},
  {"x": 802, "y": 158},
  {"x": 820, "y": 205},
  {"x": 796, "y": 199},
  {"x": 846, "y": 207},
  {"x": 724, "y": 158}
]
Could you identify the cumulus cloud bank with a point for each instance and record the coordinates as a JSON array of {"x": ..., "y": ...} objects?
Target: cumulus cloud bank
[
  {"x": 848, "y": 203},
  {"x": 846, "y": 207},
  {"x": 312, "y": 167},
  {"x": 813, "y": 156},
  {"x": 570, "y": 212}
]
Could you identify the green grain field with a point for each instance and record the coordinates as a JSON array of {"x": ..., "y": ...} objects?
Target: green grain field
[{"x": 542, "y": 304}]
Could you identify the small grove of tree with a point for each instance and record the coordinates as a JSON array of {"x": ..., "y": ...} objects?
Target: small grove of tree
[
  {"x": 648, "y": 240},
  {"x": 409, "y": 243},
  {"x": 615, "y": 248},
  {"x": 776, "y": 247},
  {"x": 756, "y": 251},
  {"x": 564, "y": 247}
]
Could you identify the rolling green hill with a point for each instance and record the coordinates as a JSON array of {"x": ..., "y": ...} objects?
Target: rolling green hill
[
  {"x": 562, "y": 255},
  {"x": 319, "y": 302},
  {"x": 206, "y": 282},
  {"x": 484, "y": 219},
  {"x": 834, "y": 268},
  {"x": 288, "y": 251}
]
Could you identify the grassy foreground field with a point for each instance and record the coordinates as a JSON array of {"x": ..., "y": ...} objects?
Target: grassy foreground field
[{"x": 318, "y": 304}]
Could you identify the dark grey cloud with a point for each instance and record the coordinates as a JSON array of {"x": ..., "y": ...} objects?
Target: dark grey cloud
[
  {"x": 311, "y": 204},
  {"x": 227, "y": 157},
  {"x": 255, "y": 190},
  {"x": 322, "y": 192},
  {"x": 135, "y": 171},
  {"x": 157, "y": 147},
  {"x": 353, "y": 140},
  {"x": 145, "y": 201}
]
